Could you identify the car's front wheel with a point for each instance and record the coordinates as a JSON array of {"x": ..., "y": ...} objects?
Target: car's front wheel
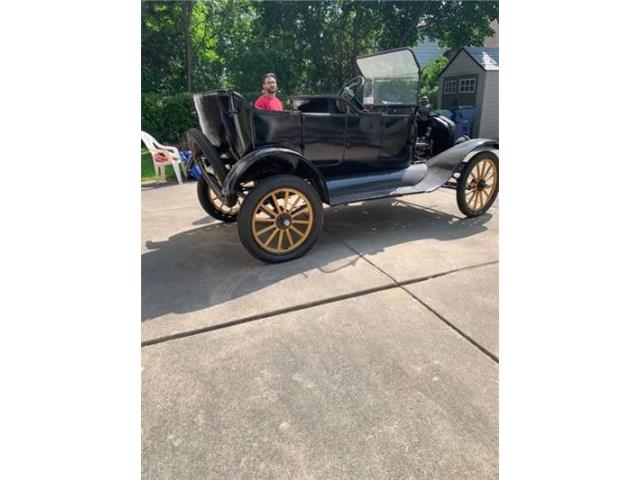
[
  {"x": 477, "y": 187},
  {"x": 280, "y": 219}
]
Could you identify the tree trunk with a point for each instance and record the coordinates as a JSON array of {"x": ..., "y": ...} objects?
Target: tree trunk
[
  {"x": 356, "y": 39},
  {"x": 421, "y": 12},
  {"x": 187, "y": 12}
]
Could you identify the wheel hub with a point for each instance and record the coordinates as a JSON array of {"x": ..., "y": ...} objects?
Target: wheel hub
[{"x": 283, "y": 221}]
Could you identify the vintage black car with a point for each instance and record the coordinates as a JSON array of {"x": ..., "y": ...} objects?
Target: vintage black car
[{"x": 273, "y": 171}]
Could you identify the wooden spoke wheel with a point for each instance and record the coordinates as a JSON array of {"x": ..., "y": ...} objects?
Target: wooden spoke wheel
[
  {"x": 478, "y": 185},
  {"x": 211, "y": 204},
  {"x": 280, "y": 219},
  {"x": 202, "y": 148}
]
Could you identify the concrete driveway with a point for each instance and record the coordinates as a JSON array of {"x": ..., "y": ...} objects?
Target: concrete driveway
[{"x": 374, "y": 356}]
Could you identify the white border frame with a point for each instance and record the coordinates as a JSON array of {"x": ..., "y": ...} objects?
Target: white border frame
[
  {"x": 475, "y": 84},
  {"x": 444, "y": 87}
]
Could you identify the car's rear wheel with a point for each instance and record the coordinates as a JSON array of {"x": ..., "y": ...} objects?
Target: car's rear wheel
[
  {"x": 202, "y": 150},
  {"x": 215, "y": 207},
  {"x": 280, "y": 219},
  {"x": 477, "y": 187}
]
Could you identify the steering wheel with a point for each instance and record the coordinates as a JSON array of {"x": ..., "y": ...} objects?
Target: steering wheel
[{"x": 350, "y": 91}]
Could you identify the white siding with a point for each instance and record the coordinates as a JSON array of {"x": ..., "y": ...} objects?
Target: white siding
[
  {"x": 463, "y": 64},
  {"x": 489, "y": 127}
]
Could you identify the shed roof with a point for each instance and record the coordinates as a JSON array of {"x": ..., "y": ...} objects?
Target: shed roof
[{"x": 486, "y": 57}]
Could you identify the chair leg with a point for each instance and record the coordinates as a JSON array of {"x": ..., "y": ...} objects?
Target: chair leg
[{"x": 176, "y": 168}]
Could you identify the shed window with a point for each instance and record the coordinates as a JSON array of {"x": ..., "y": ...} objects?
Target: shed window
[
  {"x": 450, "y": 87},
  {"x": 467, "y": 85}
]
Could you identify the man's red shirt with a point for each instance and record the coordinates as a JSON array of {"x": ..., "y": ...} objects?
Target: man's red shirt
[{"x": 265, "y": 102}]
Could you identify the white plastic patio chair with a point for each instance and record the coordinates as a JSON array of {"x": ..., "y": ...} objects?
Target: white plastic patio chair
[{"x": 162, "y": 155}]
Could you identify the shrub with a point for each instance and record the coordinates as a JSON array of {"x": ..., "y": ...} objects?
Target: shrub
[
  {"x": 168, "y": 117},
  {"x": 430, "y": 73}
]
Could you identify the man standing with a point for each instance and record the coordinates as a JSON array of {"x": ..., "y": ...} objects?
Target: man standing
[{"x": 268, "y": 99}]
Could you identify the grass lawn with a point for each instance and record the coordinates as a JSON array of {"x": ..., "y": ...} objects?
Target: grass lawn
[{"x": 147, "y": 167}]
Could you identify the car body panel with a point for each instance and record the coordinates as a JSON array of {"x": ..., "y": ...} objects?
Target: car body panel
[
  {"x": 442, "y": 166},
  {"x": 290, "y": 159}
]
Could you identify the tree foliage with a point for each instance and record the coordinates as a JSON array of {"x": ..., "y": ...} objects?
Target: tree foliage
[
  {"x": 430, "y": 73},
  {"x": 310, "y": 45}
]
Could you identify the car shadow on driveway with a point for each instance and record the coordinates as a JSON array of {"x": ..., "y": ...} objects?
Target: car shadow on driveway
[{"x": 207, "y": 266}]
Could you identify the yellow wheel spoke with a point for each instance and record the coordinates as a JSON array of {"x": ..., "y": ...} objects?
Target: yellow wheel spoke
[
  {"x": 475, "y": 193},
  {"x": 286, "y": 201},
  {"x": 489, "y": 169},
  {"x": 304, "y": 210},
  {"x": 294, "y": 203},
  {"x": 271, "y": 237},
  {"x": 267, "y": 210},
  {"x": 260, "y": 232},
  {"x": 475, "y": 200},
  {"x": 289, "y": 238},
  {"x": 297, "y": 231},
  {"x": 485, "y": 164},
  {"x": 280, "y": 238},
  {"x": 306, "y": 222},
  {"x": 275, "y": 202}
]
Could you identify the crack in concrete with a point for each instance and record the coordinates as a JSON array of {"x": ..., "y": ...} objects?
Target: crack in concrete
[
  {"x": 441, "y": 317},
  {"x": 304, "y": 306}
]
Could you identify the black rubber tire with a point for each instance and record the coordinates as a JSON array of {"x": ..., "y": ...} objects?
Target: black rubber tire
[
  {"x": 199, "y": 143},
  {"x": 204, "y": 198},
  {"x": 245, "y": 217},
  {"x": 462, "y": 182}
]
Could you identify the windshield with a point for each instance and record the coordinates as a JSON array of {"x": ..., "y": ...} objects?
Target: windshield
[{"x": 392, "y": 77}]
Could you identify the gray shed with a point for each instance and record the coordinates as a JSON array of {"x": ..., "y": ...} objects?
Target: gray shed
[{"x": 471, "y": 78}]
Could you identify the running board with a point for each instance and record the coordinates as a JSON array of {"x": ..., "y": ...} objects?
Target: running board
[
  {"x": 392, "y": 183},
  {"x": 416, "y": 178}
]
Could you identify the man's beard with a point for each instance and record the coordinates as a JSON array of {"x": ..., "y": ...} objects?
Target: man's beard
[{"x": 271, "y": 90}]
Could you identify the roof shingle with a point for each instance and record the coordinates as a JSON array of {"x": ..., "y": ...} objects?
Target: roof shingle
[{"x": 486, "y": 57}]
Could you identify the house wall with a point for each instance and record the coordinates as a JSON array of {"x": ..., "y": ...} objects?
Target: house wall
[
  {"x": 489, "y": 123},
  {"x": 493, "y": 41}
]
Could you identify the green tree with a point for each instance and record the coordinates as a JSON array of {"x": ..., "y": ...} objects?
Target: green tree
[
  {"x": 161, "y": 47},
  {"x": 430, "y": 73},
  {"x": 310, "y": 45}
]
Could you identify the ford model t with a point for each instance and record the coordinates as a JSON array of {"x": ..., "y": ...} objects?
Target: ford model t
[{"x": 272, "y": 171}]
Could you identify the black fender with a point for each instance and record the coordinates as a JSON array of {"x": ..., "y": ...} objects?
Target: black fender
[
  {"x": 441, "y": 167},
  {"x": 284, "y": 160}
]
